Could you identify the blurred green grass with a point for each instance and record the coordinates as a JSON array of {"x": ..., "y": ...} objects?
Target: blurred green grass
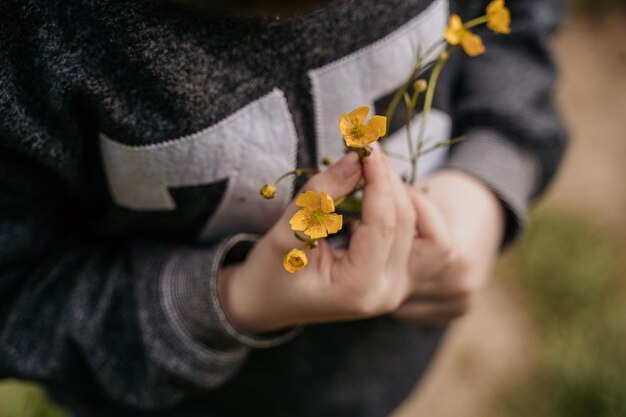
[
  {"x": 574, "y": 280},
  {"x": 22, "y": 399}
]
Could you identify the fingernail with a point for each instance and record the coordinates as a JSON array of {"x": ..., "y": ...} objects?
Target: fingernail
[{"x": 347, "y": 166}]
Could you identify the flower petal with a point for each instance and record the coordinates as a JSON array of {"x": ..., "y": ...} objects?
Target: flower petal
[
  {"x": 369, "y": 137},
  {"x": 499, "y": 20},
  {"x": 345, "y": 127},
  {"x": 353, "y": 141},
  {"x": 376, "y": 127},
  {"x": 454, "y": 30},
  {"x": 300, "y": 220},
  {"x": 316, "y": 231},
  {"x": 495, "y": 6},
  {"x": 472, "y": 44},
  {"x": 379, "y": 123},
  {"x": 333, "y": 223},
  {"x": 357, "y": 117},
  {"x": 309, "y": 200},
  {"x": 327, "y": 203}
]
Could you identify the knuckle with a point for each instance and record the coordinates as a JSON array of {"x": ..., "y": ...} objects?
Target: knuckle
[
  {"x": 391, "y": 304},
  {"x": 368, "y": 302},
  {"x": 405, "y": 216},
  {"x": 461, "y": 289},
  {"x": 455, "y": 260},
  {"x": 313, "y": 184},
  {"x": 460, "y": 310},
  {"x": 461, "y": 260},
  {"x": 447, "y": 250},
  {"x": 387, "y": 227},
  {"x": 363, "y": 306},
  {"x": 276, "y": 240}
]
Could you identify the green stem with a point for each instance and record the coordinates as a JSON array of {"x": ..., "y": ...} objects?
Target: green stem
[
  {"x": 395, "y": 100},
  {"x": 418, "y": 69},
  {"x": 397, "y": 156},
  {"x": 428, "y": 102},
  {"x": 299, "y": 237},
  {"x": 434, "y": 47},
  {"x": 475, "y": 22},
  {"x": 296, "y": 172},
  {"x": 300, "y": 171},
  {"x": 441, "y": 145},
  {"x": 363, "y": 153},
  {"x": 340, "y": 200},
  {"x": 308, "y": 243},
  {"x": 410, "y": 111}
]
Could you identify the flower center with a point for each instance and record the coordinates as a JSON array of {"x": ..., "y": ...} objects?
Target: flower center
[
  {"x": 318, "y": 215},
  {"x": 296, "y": 261},
  {"x": 359, "y": 130}
]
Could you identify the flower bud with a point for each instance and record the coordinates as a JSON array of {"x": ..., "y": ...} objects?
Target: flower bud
[
  {"x": 420, "y": 85},
  {"x": 268, "y": 191},
  {"x": 443, "y": 55},
  {"x": 295, "y": 260},
  {"x": 326, "y": 161}
]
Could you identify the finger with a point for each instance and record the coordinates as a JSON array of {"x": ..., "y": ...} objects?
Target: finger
[
  {"x": 373, "y": 237},
  {"x": 405, "y": 227},
  {"x": 431, "y": 223},
  {"x": 441, "y": 289},
  {"x": 431, "y": 312}
]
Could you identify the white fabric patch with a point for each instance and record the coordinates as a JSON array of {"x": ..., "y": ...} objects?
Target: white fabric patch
[
  {"x": 249, "y": 148},
  {"x": 374, "y": 72}
]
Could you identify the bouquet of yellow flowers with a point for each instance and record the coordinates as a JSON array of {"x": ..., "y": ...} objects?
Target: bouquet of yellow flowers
[{"x": 316, "y": 218}]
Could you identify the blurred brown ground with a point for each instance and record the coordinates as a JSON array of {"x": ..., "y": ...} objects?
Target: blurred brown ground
[{"x": 494, "y": 344}]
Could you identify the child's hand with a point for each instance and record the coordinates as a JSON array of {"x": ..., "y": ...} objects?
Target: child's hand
[
  {"x": 460, "y": 226},
  {"x": 370, "y": 278}
]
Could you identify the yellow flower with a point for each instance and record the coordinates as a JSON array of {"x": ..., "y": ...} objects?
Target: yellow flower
[
  {"x": 498, "y": 17},
  {"x": 455, "y": 33},
  {"x": 356, "y": 132},
  {"x": 316, "y": 219},
  {"x": 295, "y": 260},
  {"x": 268, "y": 191}
]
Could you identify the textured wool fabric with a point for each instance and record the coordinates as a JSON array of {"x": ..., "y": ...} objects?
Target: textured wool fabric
[{"x": 108, "y": 276}]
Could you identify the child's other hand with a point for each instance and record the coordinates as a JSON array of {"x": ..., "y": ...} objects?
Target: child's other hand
[
  {"x": 460, "y": 225},
  {"x": 369, "y": 278}
]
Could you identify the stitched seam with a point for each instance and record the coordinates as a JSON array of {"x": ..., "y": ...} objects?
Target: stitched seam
[
  {"x": 229, "y": 119},
  {"x": 294, "y": 144},
  {"x": 407, "y": 27}
]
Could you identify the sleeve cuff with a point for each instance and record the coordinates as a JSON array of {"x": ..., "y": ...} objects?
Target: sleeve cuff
[
  {"x": 192, "y": 305},
  {"x": 511, "y": 172}
]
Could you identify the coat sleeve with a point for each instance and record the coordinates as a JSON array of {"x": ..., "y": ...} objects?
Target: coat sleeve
[
  {"x": 503, "y": 104},
  {"x": 138, "y": 319}
]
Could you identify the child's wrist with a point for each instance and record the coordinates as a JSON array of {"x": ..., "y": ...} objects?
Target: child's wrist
[{"x": 240, "y": 303}]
